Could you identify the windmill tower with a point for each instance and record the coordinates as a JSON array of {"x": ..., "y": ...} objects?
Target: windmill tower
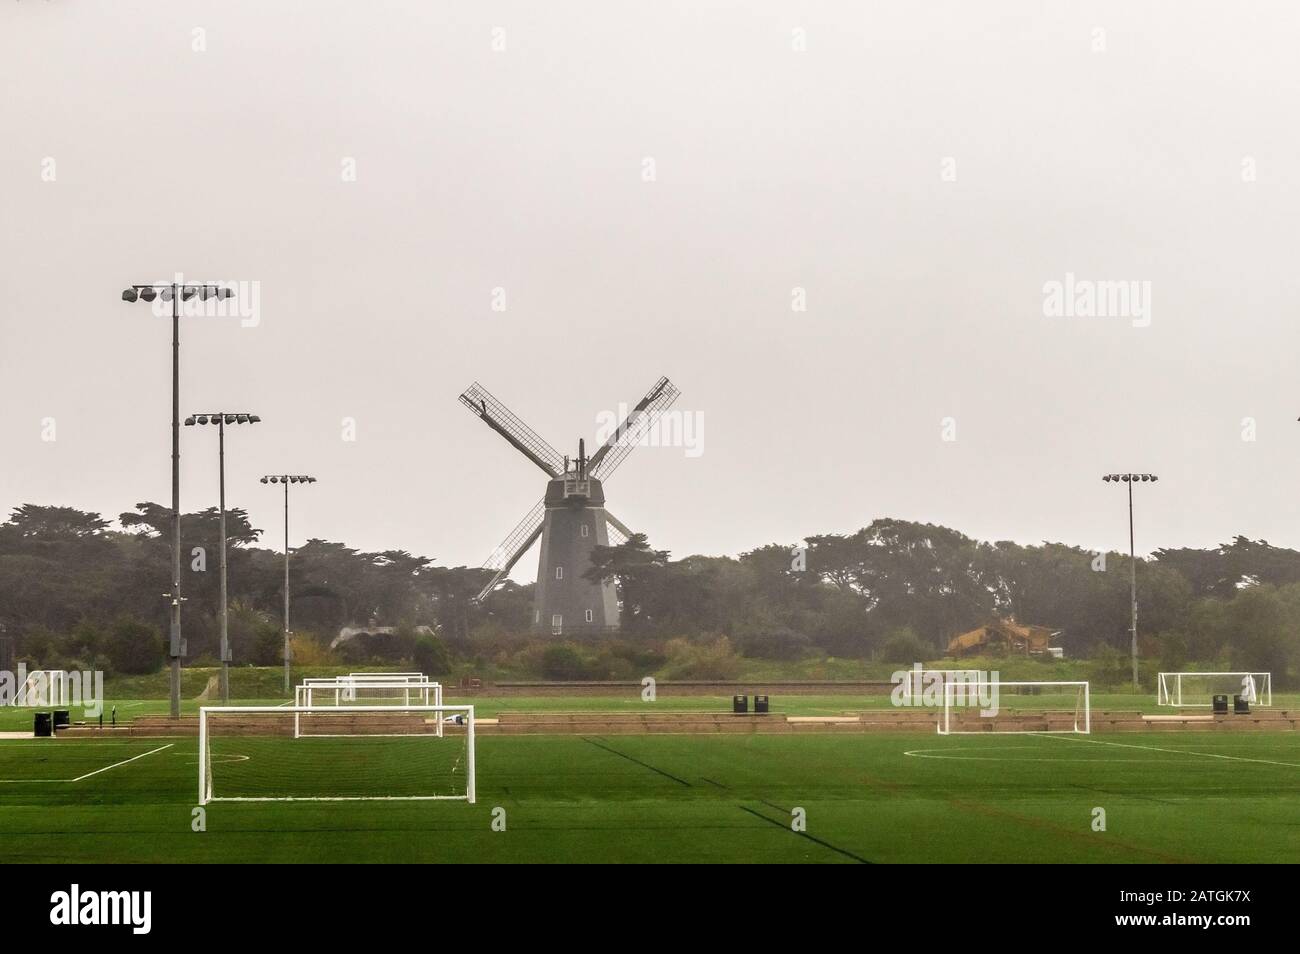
[{"x": 571, "y": 518}]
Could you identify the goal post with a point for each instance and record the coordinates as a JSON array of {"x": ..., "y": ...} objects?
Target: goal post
[
  {"x": 1198, "y": 689},
  {"x": 43, "y": 687},
  {"x": 349, "y": 691},
  {"x": 336, "y": 753},
  {"x": 387, "y": 676},
  {"x": 1015, "y": 707}
]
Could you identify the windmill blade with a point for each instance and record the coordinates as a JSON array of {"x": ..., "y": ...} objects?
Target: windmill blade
[
  {"x": 514, "y": 546},
  {"x": 619, "y": 527},
  {"x": 629, "y": 433},
  {"x": 522, "y": 437}
]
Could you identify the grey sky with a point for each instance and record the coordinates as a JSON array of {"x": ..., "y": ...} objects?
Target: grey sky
[{"x": 774, "y": 169}]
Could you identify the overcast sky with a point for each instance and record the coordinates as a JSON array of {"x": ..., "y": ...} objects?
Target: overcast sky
[{"x": 654, "y": 189}]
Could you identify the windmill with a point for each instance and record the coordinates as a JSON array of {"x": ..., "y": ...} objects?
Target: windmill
[{"x": 571, "y": 518}]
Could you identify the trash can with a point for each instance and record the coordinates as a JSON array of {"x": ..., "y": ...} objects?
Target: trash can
[
  {"x": 1240, "y": 705},
  {"x": 44, "y": 726},
  {"x": 1220, "y": 705},
  {"x": 740, "y": 705},
  {"x": 62, "y": 719},
  {"x": 760, "y": 703}
]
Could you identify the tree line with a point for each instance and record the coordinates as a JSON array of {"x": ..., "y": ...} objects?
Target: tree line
[{"x": 76, "y": 591}]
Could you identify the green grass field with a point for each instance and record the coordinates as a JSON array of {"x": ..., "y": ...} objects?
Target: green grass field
[
  {"x": 20, "y": 719},
  {"x": 1168, "y": 797}
]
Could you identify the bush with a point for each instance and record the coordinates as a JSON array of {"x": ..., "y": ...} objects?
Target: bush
[
  {"x": 564, "y": 662},
  {"x": 309, "y": 651},
  {"x": 135, "y": 648},
  {"x": 904, "y": 646},
  {"x": 430, "y": 656},
  {"x": 268, "y": 646},
  {"x": 784, "y": 645},
  {"x": 1109, "y": 667},
  {"x": 711, "y": 661}
]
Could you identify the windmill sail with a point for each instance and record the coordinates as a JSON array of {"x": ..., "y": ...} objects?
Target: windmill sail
[
  {"x": 630, "y": 433},
  {"x": 514, "y": 546},
  {"x": 522, "y": 437}
]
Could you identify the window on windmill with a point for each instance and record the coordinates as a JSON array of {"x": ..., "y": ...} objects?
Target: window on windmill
[
  {"x": 590, "y": 616},
  {"x": 557, "y": 624},
  {"x": 559, "y": 572},
  {"x": 537, "y": 616},
  {"x": 584, "y": 530}
]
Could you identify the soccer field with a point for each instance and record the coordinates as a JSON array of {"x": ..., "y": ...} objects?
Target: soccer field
[{"x": 1167, "y": 797}]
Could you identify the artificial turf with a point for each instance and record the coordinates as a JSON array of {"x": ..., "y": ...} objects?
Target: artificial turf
[{"x": 1167, "y": 797}]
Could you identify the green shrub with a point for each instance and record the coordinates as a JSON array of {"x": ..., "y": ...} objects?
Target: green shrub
[
  {"x": 563, "y": 661},
  {"x": 707, "y": 661},
  {"x": 134, "y": 648},
  {"x": 430, "y": 655},
  {"x": 904, "y": 646}
]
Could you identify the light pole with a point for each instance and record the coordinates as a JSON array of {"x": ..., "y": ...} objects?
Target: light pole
[
  {"x": 174, "y": 293},
  {"x": 287, "y": 479},
  {"x": 221, "y": 419},
  {"x": 1130, "y": 480}
]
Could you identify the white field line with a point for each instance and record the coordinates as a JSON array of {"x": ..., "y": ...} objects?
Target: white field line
[
  {"x": 1153, "y": 748},
  {"x": 97, "y": 771},
  {"x": 98, "y": 743},
  {"x": 945, "y": 756},
  {"x": 123, "y": 762}
]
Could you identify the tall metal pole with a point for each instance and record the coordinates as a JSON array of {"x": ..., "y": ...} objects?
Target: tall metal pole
[
  {"x": 225, "y": 612},
  {"x": 1133, "y": 588},
  {"x": 175, "y": 635},
  {"x": 287, "y": 651}
]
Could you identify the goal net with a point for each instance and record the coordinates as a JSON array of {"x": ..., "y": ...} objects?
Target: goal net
[
  {"x": 999, "y": 706},
  {"x": 350, "y": 690},
  {"x": 344, "y": 691},
  {"x": 335, "y": 753},
  {"x": 388, "y": 676},
  {"x": 43, "y": 687},
  {"x": 1198, "y": 689}
]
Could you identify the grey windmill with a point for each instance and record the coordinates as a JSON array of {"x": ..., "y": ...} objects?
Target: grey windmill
[{"x": 571, "y": 518}]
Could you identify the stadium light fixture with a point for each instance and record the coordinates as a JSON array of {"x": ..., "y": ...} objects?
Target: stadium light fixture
[
  {"x": 287, "y": 479},
  {"x": 221, "y": 419},
  {"x": 1131, "y": 479},
  {"x": 169, "y": 292}
]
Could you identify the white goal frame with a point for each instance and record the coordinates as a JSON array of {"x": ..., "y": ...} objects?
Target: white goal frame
[
  {"x": 1169, "y": 688},
  {"x": 945, "y": 722},
  {"x": 386, "y": 676},
  {"x": 428, "y": 693},
  {"x": 205, "y": 778},
  {"x": 43, "y": 687}
]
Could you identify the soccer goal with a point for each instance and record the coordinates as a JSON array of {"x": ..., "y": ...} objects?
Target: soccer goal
[
  {"x": 345, "y": 691},
  {"x": 44, "y": 687},
  {"x": 367, "y": 692},
  {"x": 336, "y": 753},
  {"x": 1002, "y": 707},
  {"x": 388, "y": 676},
  {"x": 1198, "y": 689}
]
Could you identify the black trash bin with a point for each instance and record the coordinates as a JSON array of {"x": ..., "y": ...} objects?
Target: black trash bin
[
  {"x": 44, "y": 726},
  {"x": 740, "y": 704},
  {"x": 62, "y": 719},
  {"x": 1220, "y": 705},
  {"x": 760, "y": 704},
  {"x": 1240, "y": 705}
]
